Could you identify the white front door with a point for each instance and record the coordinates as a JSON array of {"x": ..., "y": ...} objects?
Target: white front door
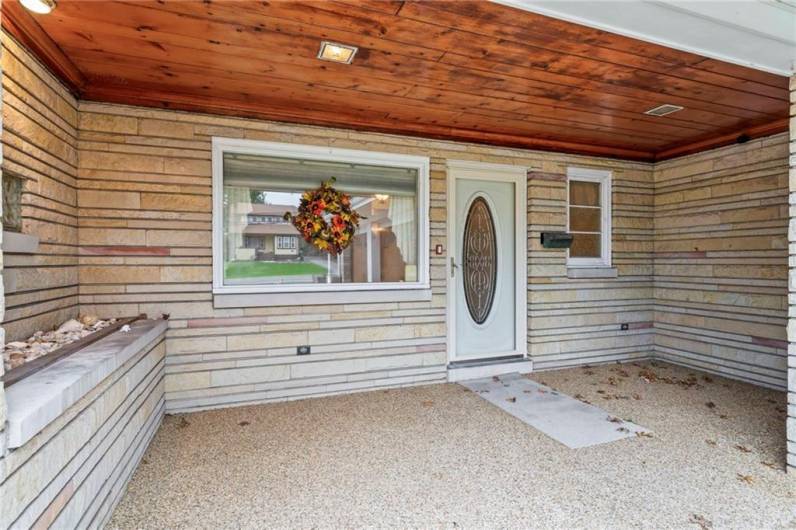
[{"x": 483, "y": 272}]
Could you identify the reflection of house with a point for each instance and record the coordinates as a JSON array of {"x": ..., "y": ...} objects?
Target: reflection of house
[{"x": 268, "y": 234}]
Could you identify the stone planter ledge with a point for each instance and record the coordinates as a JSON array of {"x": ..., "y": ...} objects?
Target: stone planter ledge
[{"x": 39, "y": 399}]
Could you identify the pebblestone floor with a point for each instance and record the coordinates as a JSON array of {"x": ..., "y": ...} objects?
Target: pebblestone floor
[{"x": 441, "y": 457}]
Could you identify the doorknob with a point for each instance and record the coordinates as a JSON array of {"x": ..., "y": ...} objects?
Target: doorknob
[{"x": 453, "y": 267}]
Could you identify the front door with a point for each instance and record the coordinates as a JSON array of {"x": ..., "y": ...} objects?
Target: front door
[{"x": 483, "y": 269}]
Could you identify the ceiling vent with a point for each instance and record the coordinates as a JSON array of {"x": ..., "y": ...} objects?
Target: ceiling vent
[{"x": 663, "y": 110}]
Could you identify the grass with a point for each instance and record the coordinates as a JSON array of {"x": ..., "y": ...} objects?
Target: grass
[{"x": 255, "y": 269}]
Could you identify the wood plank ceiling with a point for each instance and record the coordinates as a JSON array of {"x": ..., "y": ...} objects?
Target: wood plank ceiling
[{"x": 464, "y": 70}]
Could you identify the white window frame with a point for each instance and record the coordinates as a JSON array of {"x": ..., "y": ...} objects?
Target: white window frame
[
  {"x": 603, "y": 177},
  {"x": 332, "y": 154},
  {"x": 286, "y": 242}
]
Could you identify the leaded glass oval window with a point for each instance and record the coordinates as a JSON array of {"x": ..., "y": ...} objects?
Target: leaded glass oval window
[{"x": 479, "y": 260}]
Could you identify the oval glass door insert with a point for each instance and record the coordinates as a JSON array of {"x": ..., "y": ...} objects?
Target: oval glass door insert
[{"x": 479, "y": 260}]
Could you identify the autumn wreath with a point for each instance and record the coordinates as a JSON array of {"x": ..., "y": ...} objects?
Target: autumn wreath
[{"x": 325, "y": 218}]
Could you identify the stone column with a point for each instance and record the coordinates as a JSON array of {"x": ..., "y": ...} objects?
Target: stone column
[
  {"x": 2, "y": 294},
  {"x": 791, "y": 421}
]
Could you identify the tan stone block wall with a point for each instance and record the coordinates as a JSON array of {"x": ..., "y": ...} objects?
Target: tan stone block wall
[
  {"x": 39, "y": 140},
  {"x": 158, "y": 189},
  {"x": 74, "y": 471},
  {"x": 791, "y": 421},
  {"x": 3, "y": 406},
  {"x": 721, "y": 268},
  {"x": 578, "y": 321}
]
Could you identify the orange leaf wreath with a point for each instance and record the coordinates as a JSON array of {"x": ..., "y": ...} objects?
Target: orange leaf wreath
[{"x": 315, "y": 208}]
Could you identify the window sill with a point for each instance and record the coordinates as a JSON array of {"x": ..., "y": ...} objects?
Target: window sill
[
  {"x": 232, "y": 300},
  {"x": 591, "y": 272}
]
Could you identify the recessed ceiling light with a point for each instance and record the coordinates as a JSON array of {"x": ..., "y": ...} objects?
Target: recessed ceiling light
[
  {"x": 663, "y": 110},
  {"x": 336, "y": 52},
  {"x": 41, "y": 7}
]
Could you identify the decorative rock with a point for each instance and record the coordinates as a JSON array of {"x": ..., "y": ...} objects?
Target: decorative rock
[
  {"x": 41, "y": 343},
  {"x": 70, "y": 325},
  {"x": 89, "y": 320}
]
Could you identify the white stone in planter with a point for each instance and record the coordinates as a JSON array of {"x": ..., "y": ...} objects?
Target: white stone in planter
[{"x": 70, "y": 325}]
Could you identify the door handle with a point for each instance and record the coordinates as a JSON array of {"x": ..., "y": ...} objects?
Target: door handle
[{"x": 453, "y": 267}]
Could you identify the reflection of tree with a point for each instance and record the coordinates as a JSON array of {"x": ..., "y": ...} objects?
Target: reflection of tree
[{"x": 257, "y": 197}]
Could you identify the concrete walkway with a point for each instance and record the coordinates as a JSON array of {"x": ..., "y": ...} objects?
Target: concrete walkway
[{"x": 440, "y": 456}]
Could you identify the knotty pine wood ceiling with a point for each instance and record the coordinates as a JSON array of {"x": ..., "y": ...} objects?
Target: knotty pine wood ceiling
[{"x": 463, "y": 70}]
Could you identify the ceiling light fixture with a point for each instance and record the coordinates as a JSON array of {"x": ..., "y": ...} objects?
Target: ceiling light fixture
[
  {"x": 41, "y": 7},
  {"x": 336, "y": 52},
  {"x": 663, "y": 110}
]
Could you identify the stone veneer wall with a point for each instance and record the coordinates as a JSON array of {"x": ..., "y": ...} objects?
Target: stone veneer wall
[
  {"x": 791, "y": 421},
  {"x": 75, "y": 470},
  {"x": 144, "y": 205},
  {"x": 3, "y": 407},
  {"x": 721, "y": 268},
  {"x": 39, "y": 140},
  {"x": 577, "y": 321}
]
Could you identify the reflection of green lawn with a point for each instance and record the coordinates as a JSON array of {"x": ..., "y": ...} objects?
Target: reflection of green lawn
[{"x": 253, "y": 269}]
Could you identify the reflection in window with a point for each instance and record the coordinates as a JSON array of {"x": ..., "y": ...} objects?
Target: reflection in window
[{"x": 261, "y": 248}]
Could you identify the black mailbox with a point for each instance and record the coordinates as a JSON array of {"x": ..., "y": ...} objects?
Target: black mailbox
[{"x": 556, "y": 240}]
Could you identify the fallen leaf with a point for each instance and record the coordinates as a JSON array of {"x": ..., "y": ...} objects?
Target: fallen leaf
[
  {"x": 700, "y": 521},
  {"x": 623, "y": 429},
  {"x": 772, "y": 465},
  {"x": 427, "y": 403},
  {"x": 511, "y": 400},
  {"x": 723, "y": 416},
  {"x": 742, "y": 448},
  {"x": 710, "y": 405},
  {"x": 636, "y": 397},
  {"x": 643, "y": 434},
  {"x": 183, "y": 423},
  {"x": 495, "y": 378},
  {"x": 707, "y": 379},
  {"x": 710, "y": 442},
  {"x": 749, "y": 479},
  {"x": 244, "y": 423},
  {"x": 614, "y": 419}
]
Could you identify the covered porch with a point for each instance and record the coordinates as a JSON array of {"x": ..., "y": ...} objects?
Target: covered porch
[{"x": 253, "y": 252}]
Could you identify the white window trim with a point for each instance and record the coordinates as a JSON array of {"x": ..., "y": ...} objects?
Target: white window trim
[
  {"x": 333, "y": 154},
  {"x": 603, "y": 177},
  {"x": 286, "y": 242}
]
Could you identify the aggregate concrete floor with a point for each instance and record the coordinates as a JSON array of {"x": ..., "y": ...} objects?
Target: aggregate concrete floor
[{"x": 441, "y": 457}]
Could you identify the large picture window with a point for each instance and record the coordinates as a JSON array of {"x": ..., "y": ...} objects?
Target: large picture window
[
  {"x": 589, "y": 217},
  {"x": 257, "y": 250}
]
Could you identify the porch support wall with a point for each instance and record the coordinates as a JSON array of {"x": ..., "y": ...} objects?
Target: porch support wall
[
  {"x": 3, "y": 407},
  {"x": 791, "y": 420}
]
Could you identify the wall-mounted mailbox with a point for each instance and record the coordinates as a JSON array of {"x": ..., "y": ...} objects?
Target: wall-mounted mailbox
[{"x": 556, "y": 240}]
